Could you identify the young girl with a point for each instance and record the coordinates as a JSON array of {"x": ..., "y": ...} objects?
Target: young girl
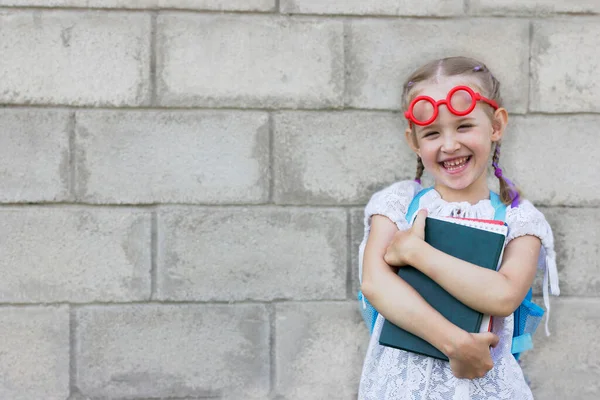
[{"x": 455, "y": 125}]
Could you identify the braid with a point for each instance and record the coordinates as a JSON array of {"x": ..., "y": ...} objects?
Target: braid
[
  {"x": 420, "y": 169},
  {"x": 509, "y": 193},
  {"x": 496, "y": 156}
]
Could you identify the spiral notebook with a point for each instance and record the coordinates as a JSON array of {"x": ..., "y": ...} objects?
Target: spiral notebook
[{"x": 480, "y": 242}]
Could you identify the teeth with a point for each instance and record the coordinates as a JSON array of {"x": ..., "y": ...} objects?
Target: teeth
[{"x": 454, "y": 164}]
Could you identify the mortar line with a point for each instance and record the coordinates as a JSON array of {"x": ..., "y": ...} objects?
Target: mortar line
[
  {"x": 271, "y": 169},
  {"x": 72, "y": 349},
  {"x": 200, "y": 109},
  {"x": 349, "y": 291},
  {"x": 346, "y": 70},
  {"x": 172, "y": 303},
  {"x": 265, "y": 206},
  {"x": 201, "y": 397},
  {"x": 467, "y": 7},
  {"x": 153, "y": 55},
  {"x": 334, "y": 16},
  {"x": 529, "y": 70},
  {"x": 131, "y": 10},
  {"x": 72, "y": 164},
  {"x": 272, "y": 312}
]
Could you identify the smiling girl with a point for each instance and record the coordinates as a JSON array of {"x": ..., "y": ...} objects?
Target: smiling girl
[{"x": 455, "y": 126}]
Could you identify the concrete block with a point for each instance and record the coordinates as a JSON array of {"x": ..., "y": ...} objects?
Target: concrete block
[
  {"x": 431, "y": 8},
  {"x": 34, "y": 155},
  {"x": 373, "y": 7},
  {"x": 348, "y": 7},
  {"x": 231, "y": 254},
  {"x": 220, "y": 5},
  {"x": 577, "y": 242},
  {"x": 540, "y": 154},
  {"x": 249, "y": 61},
  {"x": 74, "y": 254},
  {"x": 564, "y": 65},
  {"x": 34, "y": 344},
  {"x": 565, "y": 365},
  {"x": 161, "y": 157},
  {"x": 320, "y": 348},
  {"x": 217, "y": 5},
  {"x": 532, "y": 7},
  {"x": 175, "y": 351},
  {"x": 75, "y": 58},
  {"x": 339, "y": 157},
  {"x": 381, "y": 54}
]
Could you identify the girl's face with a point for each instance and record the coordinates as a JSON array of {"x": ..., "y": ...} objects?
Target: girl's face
[{"x": 456, "y": 150}]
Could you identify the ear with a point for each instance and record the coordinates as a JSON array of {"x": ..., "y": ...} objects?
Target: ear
[
  {"x": 412, "y": 141},
  {"x": 499, "y": 122}
]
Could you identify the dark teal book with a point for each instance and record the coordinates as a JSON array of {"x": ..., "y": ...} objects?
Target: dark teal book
[{"x": 480, "y": 243}]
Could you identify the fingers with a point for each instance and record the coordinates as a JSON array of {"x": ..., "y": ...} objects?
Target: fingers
[
  {"x": 420, "y": 219},
  {"x": 418, "y": 226},
  {"x": 492, "y": 338},
  {"x": 387, "y": 257}
]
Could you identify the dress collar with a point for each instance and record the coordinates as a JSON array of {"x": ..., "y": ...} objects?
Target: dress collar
[{"x": 435, "y": 205}]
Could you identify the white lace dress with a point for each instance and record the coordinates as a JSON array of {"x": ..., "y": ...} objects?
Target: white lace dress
[{"x": 396, "y": 374}]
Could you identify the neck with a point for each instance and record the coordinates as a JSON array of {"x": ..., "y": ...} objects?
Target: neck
[{"x": 472, "y": 194}]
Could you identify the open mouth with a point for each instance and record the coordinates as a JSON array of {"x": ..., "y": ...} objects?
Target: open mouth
[{"x": 456, "y": 164}]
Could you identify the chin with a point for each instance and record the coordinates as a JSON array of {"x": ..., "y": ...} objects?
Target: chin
[{"x": 459, "y": 184}]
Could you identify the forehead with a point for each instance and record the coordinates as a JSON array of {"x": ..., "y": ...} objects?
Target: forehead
[{"x": 439, "y": 90}]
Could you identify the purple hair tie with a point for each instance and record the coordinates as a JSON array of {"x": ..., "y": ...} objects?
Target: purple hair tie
[
  {"x": 477, "y": 68},
  {"x": 409, "y": 84},
  {"x": 514, "y": 195},
  {"x": 418, "y": 180}
]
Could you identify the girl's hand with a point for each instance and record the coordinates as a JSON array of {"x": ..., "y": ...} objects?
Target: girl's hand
[
  {"x": 471, "y": 357},
  {"x": 398, "y": 252}
]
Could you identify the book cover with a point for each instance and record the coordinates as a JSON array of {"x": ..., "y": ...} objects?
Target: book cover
[{"x": 476, "y": 242}]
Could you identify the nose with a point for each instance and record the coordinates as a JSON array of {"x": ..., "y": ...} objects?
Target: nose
[{"x": 450, "y": 144}]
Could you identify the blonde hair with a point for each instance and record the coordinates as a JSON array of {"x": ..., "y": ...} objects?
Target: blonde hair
[{"x": 489, "y": 87}]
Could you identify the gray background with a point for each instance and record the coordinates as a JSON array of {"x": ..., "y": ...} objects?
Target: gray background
[{"x": 182, "y": 185}]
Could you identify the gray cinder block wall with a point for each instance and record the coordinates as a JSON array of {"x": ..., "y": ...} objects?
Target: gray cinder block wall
[{"x": 182, "y": 185}]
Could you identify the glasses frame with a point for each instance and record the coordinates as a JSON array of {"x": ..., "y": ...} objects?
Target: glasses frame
[{"x": 475, "y": 97}]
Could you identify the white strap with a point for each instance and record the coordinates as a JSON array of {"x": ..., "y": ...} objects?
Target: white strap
[
  {"x": 553, "y": 275},
  {"x": 546, "y": 299},
  {"x": 551, "y": 280}
]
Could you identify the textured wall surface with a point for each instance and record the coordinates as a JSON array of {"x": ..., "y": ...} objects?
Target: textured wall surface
[{"x": 182, "y": 185}]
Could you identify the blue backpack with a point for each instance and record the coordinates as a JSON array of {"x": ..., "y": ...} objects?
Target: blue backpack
[{"x": 526, "y": 317}]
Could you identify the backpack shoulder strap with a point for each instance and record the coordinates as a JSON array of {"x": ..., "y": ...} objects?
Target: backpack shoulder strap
[
  {"x": 499, "y": 207},
  {"x": 414, "y": 204}
]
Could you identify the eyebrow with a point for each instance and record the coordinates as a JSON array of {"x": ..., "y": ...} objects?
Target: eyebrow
[{"x": 435, "y": 124}]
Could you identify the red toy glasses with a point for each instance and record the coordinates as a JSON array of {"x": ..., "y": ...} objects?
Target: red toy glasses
[{"x": 461, "y": 100}]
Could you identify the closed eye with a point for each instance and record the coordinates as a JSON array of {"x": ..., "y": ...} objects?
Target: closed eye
[
  {"x": 465, "y": 126},
  {"x": 430, "y": 134}
]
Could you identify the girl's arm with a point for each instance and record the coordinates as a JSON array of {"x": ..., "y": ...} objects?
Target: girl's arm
[
  {"x": 490, "y": 292},
  {"x": 399, "y": 303}
]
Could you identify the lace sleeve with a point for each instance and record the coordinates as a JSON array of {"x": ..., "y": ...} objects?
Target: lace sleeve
[
  {"x": 391, "y": 202},
  {"x": 527, "y": 220}
]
